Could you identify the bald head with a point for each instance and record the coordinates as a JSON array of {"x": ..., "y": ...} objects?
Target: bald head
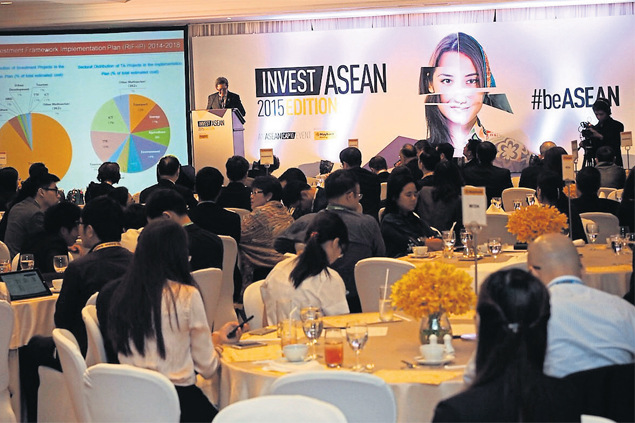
[
  {"x": 551, "y": 256},
  {"x": 546, "y": 146}
]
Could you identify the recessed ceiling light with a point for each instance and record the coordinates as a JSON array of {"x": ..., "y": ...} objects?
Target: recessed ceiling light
[{"x": 5, "y": 3}]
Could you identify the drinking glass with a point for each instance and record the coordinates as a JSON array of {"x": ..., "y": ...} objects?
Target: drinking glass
[
  {"x": 333, "y": 347},
  {"x": 593, "y": 230},
  {"x": 531, "y": 199},
  {"x": 466, "y": 240},
  {"x": 616, "y": 244},
  {"x": 624, "y": 230},
  {"x": 287, "y": 332},
  {"x": 60, "y": 263},
  {"x": 357, "y": 336},
  {"x": 312, "y": 325},
  {"x": 283, "y": 312},
  {"x": 385, "y": 304},
  {"x": 5, "y": 266},
  {"x": 630, "y": 240},
  {"x": 26, "y": 261},
  {"x": 518, "y": 204},
  {"x": 495, "y": 246},
  {"x": 497, "y": 202}
]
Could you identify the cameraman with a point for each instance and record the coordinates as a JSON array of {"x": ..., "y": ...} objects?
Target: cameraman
[{"x": 607, "y": 131}]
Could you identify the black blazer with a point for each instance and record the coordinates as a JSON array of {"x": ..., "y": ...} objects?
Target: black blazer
[
  {"x": 495, "y": 179},
  {"x": 232, "y": 102},
  {"x": 370, "y": 188},
  {"x": 212, "y": 217},
  {"x": 186, "y": 193}
]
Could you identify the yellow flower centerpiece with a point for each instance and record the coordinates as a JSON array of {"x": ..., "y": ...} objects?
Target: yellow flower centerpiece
[
  {"x": 530, "y": 222},
  {"x": 431, "y": 290}
]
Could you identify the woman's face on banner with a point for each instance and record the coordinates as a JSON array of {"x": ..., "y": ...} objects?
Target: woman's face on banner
[{"x": 456, "y": 80}]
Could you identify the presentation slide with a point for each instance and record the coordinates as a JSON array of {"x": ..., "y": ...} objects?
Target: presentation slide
[{"x": 74, "y": 101}]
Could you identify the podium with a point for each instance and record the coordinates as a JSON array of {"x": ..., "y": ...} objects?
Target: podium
[{"x": 217, "y": 135}]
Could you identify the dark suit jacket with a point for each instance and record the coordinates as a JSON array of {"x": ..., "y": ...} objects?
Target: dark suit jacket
[
  {"x": 383, "y": 176},
  {"x": 206, "y": 248},
  {"x": 235, "y": 195},
  {"x": 95, "y": 190},
  {"x": 587, "y": 203},
  {"x": 495, "y": 179},
  {"x": 611, "y": 175},
  {"x": 413, "y": 166},
  {"x": 232, "y": 102},
  {"x": 529, "y": 176},
  {"x": 212, "y": 217},
  {"x": 370, "y": 188},
  {"x": 166, "y": 184}
]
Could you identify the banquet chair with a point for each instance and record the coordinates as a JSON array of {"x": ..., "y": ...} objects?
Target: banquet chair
[
  {"x": 209, "y": 283},
  {"x": 604, "y": 192},
  {"x": 6, "y": 330},
  {"x": 615, "y": 195},
  {"x": 4, "y": 252},
  {"x": 496, "y": 228},
  {"x": 362, "y": 397},
  {"x": 92, "y": 300},
  {"x": 586, "y": 418},
  {"x": 384, "y": 191},
  {"x": 608, "y": 224},
  {"x": 280, "y": 409},
  {"x": 238, "y": 211},
  {"x": 225, "y": 310},
  {"x": 73, "y": 368},
  {"x": 511, "y": 194},
  {"x": 381, "y": 213},
  {"x": 254, "y": 305},
  {"x": 370, "y": 274},
  {"x": 15, "y": 263},
  {"x": 123, "y": 393},
  {"x": 96, "y": 352}
]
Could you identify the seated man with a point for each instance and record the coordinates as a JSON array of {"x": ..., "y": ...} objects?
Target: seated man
[
  {"x": 370, "y": 188},
  {"x": 168, "y": 171},
  {"x": 495, "y": 179},
  {"x": 206, "y": 248},
  {"x": 611, "y": 175},
  {"x": 236, "y": 194},
  {"x": 529, "y": 175},
  {"x": 301, "y": 198},
  {"x": 587, "y": 183},
  {"x": 379, "y": 167},
  {"x": 364, "y": 235},
  {"x": 428, "y": 161},
  {"x": 588, "y": 328}
]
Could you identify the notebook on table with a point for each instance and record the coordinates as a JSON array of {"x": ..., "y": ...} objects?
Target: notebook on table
[{"x": 25, "y": 284}]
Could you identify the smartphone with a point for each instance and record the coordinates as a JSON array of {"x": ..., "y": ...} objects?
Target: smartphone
[
  {"x": 248, "y": 344},
  {"x": 262, "y": 331}
]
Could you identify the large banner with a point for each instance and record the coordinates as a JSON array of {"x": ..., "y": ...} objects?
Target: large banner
[{"x": 518, "y": 84}]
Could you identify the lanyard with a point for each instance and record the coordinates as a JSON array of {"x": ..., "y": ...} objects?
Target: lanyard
[{"x": 106, "y": 245}]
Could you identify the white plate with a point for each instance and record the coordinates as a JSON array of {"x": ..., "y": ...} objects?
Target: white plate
[
  {"x": 283, "y": 360},
  {"x": 412, "y": 255},
  {"x": 480, "y": 256},
  {"x": 444, "y": 360}
]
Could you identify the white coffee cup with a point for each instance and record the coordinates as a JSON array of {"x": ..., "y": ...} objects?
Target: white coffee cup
[
  {"x": 420, "y": 251},
  {"x": 57, "y": 284},
  {"x": 295, "y": 352},
  {"x": 432, "y": 352}
]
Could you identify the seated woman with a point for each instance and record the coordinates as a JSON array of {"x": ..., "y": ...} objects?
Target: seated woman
[
  {"x": 400, "y": 227},
  {"x": 153, "y": 317},
  {"x": 260, "y": 228},
  {"x": 107, "y": 175},
  {"x": 550, "y": 192},
  {"x": 513, "y": 310},
  {"x": 440, "y": 205},
  {"x": 307, "y": 279}
]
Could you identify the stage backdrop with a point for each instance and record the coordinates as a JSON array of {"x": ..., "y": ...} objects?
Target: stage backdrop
[{"x": 307, "y": 93}]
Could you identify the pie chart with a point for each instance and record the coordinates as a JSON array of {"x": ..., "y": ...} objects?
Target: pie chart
[
  {"x": 131, "y": 130},
  {"x": 34, "y": 137}
]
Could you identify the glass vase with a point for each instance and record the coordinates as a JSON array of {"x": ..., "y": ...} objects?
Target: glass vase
[{"x": 437, "y": 324}]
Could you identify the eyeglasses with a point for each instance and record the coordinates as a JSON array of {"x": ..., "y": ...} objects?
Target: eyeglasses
[
  {"x": 359, "y": 196},
  {"x": 256, "y": 191},
  {"x": 56, "y": 189},
  {"x": 78, "y": 222}
]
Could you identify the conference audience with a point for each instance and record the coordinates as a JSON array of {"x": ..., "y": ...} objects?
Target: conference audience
[
  {"x": 439, "y": 206},
  {"x": 236, "y": 194},
  {"x": 369, "y": 184},
  {"x": 291, "y": 174},
  {"x": 299, "y": 197},
  {"x": 626, "y": 213},
  {"x": 307, "y": 280},
  {"x": 529, "y": 175},
  {"x": 121, "y": 196},
  {"x": 588, "y": 328},
  {"x": 428, "y": 161},
  {"x": 154, "y": 318},
  {"x": 168, "y": 171},
  {"x": 495, "y": 179},
  {"x": 108, "y": 174},
  {"x": 469, "y": 153},
  {"x": 8, "y": 186},
  {"x": 611, "y": 175},
  {"x": 205, "y": 248},
  {"x": 587, "y": 183},
  {"x": 260, "y": 228},
  {"x": 513, "y": 314},
  {"x": 446, "y": 151},
  {"x": 400, "y": 227},
  {"x": 550, "y": 192},
  {"x": 379, "y": 167},
  {"x": 408, "y": 158},
  {"x": 134, "y": 220},
  {"x": 365, "y": 240}
]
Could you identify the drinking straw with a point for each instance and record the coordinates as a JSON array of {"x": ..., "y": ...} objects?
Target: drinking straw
[
  {"x": 386, "y": 285},
  {"x": 452, "y": 228}
]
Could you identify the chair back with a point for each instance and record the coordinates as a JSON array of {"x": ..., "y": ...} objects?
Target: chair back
[
  {"x": 6, "y": 330},
  {"x": 608, "y": 224},
  {"x": 586, "y": 418},
  {"x": 73, "y": 367},
  {"x": 96, "y": 352},
  {"x": 370, "y": 274},
  {"x": 280, "y": 409},
  {"x": 384, "y": 191},
  {"x": 4, "y": 252},
  {"x": 361, "y": 397},
  {"x": 381, "y": 213},
  {"x": 240, "y": 212},
  {"x": 512, "y": 194},
  {"x": 122, "y": 393},
  {"x": 92, "y": 300},
  {"x": 225, "y": 310},
  {"x": 604, "y": 192},
  {"x": 254, "y": 305},
  {"x": 616, "y": 195},
  {"x": 496, "y": 228},
  {"x": 209, "y": 282},
  {"x": 15, "y": 263}
]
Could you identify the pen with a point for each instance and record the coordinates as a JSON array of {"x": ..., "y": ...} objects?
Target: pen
[{"x": 232, "y": 334}]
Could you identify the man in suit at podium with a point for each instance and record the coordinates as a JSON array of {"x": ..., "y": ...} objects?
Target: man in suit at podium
[{"x": 224, "y": 99}]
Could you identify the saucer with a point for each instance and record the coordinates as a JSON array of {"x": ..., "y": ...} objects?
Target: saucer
[
  {"x": 478, "y": 257},
  {"x": 446, "y": 359},
  {"x": 283, "y": 360},
  {"x": 412, "y": 255}
]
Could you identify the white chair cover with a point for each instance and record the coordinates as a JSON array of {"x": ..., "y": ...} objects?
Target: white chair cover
[
  {"x": 587, "y": 418},
  {"x": 362, "y": 397},
  {"x": 280, "y": 409},
  {"x": 96, "y": 352},
  {"x": 604, "y": 192},
  {"x": 73, "y": 368},
  {"x": 209, "y": 282},
  {"x": 608, "y": 224},
  {"x": 53, "y": 398},
  {"x": 254, "y": 305},
  {"x": 225, "y": 309},
  {"x": 122, "y": 393},
  {"x": 370, "y": 274},
  {"x": 384, "y": 191},
  {"x": 496, "y": 228},
  {"x": 616, "y": 195},
  {"x": 381, "y": 213},
  {"x": 511, "y": 194},
  {"x": 4, "y": 252},
  {"x": 92, "y": 300},
  {"x": 6, "y": 329},
  {"x": 240, "y": 212},
  {"x": 15, "y": 263}
]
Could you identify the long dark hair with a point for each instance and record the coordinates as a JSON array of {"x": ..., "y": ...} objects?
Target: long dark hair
[
  {"x": 326, "y": 226},
  {"x": 447, "y": 182},
  {"x": 396, "y": 184},
  {"x": 134, "y": 313},
  {"x": 513, "y": 308}
]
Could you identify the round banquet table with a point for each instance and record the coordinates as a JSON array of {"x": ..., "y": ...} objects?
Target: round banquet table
[{"x": 417, "y": 391}]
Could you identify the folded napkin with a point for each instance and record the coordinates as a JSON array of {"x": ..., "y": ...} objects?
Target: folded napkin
[
  {"x": 428, "y": 377},
  {"x": 341, "y": 321},
  {"x": 284, "y": 366},
  {"x": 579, "y": 242},
  {"x": 269, "y": 352}
]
